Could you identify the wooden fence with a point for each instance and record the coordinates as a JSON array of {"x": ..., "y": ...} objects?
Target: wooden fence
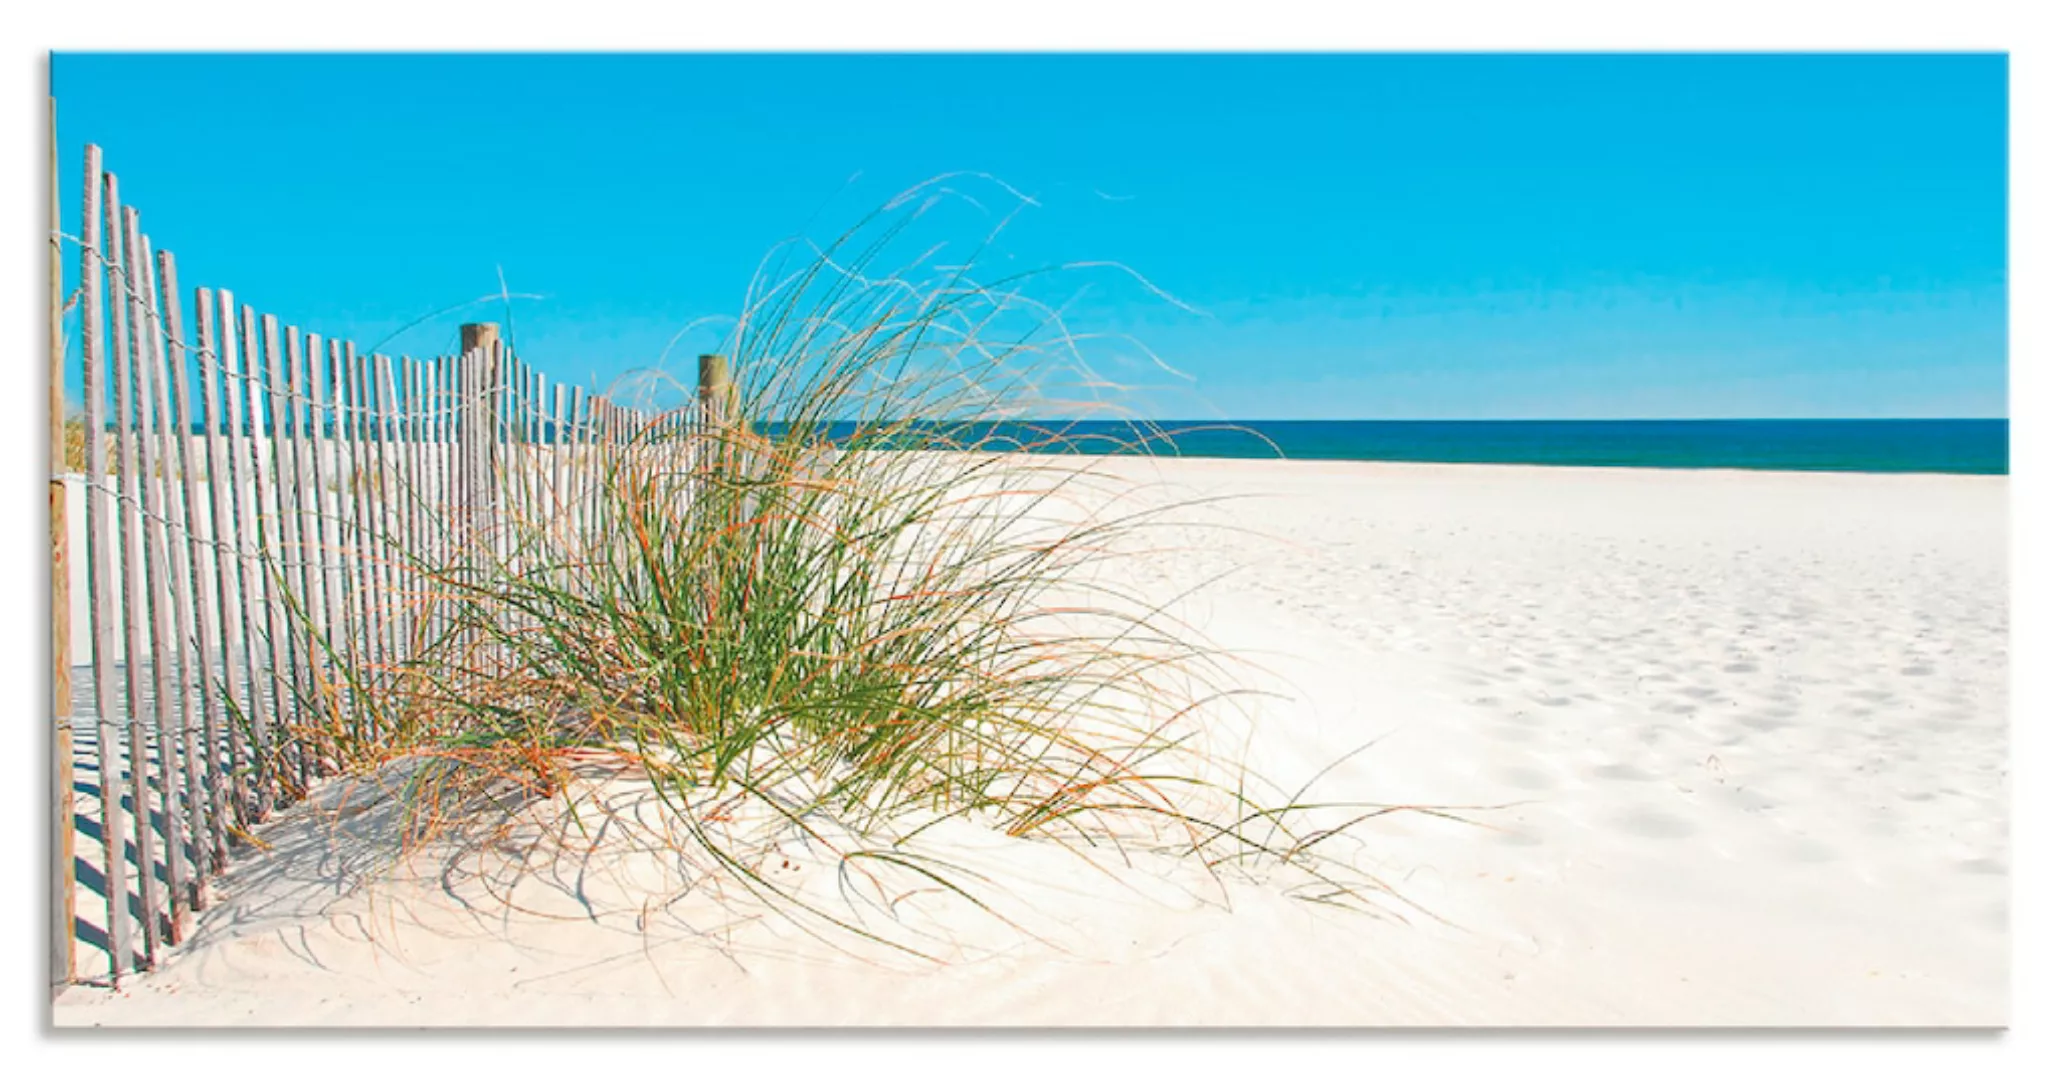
[{"x": 268, "y": 513}]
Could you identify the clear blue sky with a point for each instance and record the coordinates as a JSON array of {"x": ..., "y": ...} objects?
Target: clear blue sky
[{"x": 1366, "y": 236}]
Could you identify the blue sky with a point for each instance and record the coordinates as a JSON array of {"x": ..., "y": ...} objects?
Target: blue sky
[{"x": 1434, "y": 236}]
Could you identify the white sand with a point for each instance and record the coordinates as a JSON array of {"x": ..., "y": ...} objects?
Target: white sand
[{"x": 1752, "y": 727}]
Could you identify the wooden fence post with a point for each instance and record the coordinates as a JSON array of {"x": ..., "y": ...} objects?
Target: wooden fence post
[
  {"x": 713, "y": 443},
  {"x": 717, "y": 395},
  {"x": 196, "y": 618},
  {"x": 169, "y": 665},
  {"x": 103, "y": 589},
  {"x": 63, "y": 916},
  {"x": 128, "y": 395},
  {"x": 478, "y": 343}
]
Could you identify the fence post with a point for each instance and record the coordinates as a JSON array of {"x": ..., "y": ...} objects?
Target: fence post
[
  {"x": 477, "y": 341},
  {"x": 717, "y": 396},
  {"x": 63, "y": 954}
]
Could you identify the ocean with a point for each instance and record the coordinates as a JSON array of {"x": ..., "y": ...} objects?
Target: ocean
[
  {"x": 1976, "y": 447},
  {"x": 1874, "y": 446}
]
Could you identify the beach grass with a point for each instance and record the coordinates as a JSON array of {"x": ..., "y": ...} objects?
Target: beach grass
[
  {"x": 839, "y": 608},
  {"x": 75, "y": 444}
]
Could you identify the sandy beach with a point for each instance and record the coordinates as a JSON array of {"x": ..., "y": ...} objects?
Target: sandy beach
[{"x": 1733, "y": 749}]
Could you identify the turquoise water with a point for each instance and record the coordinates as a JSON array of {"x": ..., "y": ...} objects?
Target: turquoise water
[
  {"x": 1979, "y": 447},
  {"x": 1881, "y": 446}
]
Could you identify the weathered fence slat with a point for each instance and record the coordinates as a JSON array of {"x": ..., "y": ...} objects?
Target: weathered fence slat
[
  {"x": 135, "y": 601},
  {"x": 453, "y": 509},
  {"x": 314, "y": 523},
  {"x": 287, "y": 651},
  {"x": 327, "y": 435},
  {"x": 351, "y": 555},
  {"x": 173, "y": 525},
  {"x": 375, "y": 378},
  {"x": 385, "y": 421},
  {"x": 196, "y": 617},
  {"x": 368, "y": 503},
  {"x": 239, "y": 605},
  {"x": 307, "y": 503},
  {"x": 103, "y": 589},
  {"x": 168, "y": 661},
  {"x": 560, "y": 451},
  {"x": 410, "y": 506},
  {"x": 540, "y": 456},
  {"x": 63, "y": 853},
  {"x": 450, "y": 508},
  {"x": 228, "y": 566},
  {"x": 260, "y": 602},
  {"x": 582, "y": 471}
]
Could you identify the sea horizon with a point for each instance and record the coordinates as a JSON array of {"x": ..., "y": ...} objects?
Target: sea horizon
[
  {"x": 1961, "y": 445},
  {"x": 1972, "y": 446}
]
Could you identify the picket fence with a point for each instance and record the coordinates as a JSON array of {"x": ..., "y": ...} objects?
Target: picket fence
[{"x": 270, "y": 519}]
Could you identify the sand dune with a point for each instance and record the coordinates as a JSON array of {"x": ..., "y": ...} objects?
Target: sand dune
[{"x": 1736, "y": 744}]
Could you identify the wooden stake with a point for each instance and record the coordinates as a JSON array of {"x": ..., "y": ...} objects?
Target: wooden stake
[
  {"x": 64, "y": 961},
  {"x": 353, "y": 552},
  {"x": 228, "y": 570},
  {"x": 254, "y": 499},
  {"x": 448, "y": 457},
  {"x": 717, "y": 395},
  {"x": 135, "y": 599},
  {"x": 321, "y": 535},
  {"x": 386, "y": 519},
  {"x": 367, "y": 491},
  {"x": 103, "y": 517},
  {"x": 578, "y": 470},
  {"x": 410, "y": 508},
  {"x": 284, "y": 553},
  {"x": 307, "y": 496},
  {"x": 197, "y": 624},
  {"x": 479, "y": 342},
  {"x": 168, "y": 663}
]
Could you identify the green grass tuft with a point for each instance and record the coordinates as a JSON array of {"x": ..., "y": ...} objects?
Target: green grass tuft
[{"x": 852, "y": 611}]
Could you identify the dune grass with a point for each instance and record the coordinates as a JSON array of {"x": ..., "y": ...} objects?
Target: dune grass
[
  {"x": 75, "y": 443},
  {"x": 843, "y": 605}
]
